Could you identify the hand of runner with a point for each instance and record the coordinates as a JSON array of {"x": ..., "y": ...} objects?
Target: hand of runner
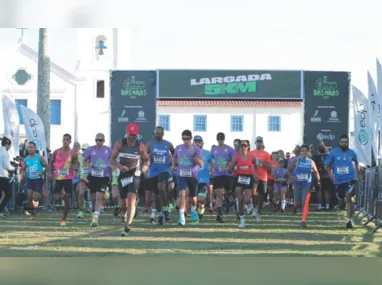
[
  {"x": 146, "y": 175},
  {"x": 192, "y": 152},
  {"x": 295, "y": 179},
  {"x": 331, "y": 175},
  {"x": 144, "y": 168},
  {"x": 173, "y": 168},
  {"x": 124, "y": 168}
]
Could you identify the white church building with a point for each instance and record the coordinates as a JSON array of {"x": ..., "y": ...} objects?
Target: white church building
[{"x": 80, "y": 99}]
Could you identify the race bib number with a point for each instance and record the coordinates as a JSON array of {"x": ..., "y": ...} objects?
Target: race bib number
[
  {"x": 342, "y": 170},
  {"x": 259, "y": 162},
  {"x": 281, "y": 178},
  {"x": 185, "y": 173},
  {"x": 170, "y": 179},
  {"x": 63, "y": 171},
  {"x": 127, "y": 181},
  {"x": 223, "y": 167},
  {"x": 159, "y": 159},
  {"x": 34, "y": 175},
  {"x": 244, "y": 180},
  {"x": 97, "y": 173},
  {"x": 303, "y": 177},
  {"x": 85, "y": 171}
]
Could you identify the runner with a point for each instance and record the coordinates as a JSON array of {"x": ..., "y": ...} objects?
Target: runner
[
  {"x": 35, "y": 167},
  {"x": 188, "y": 156},
  {"x": 327, "y": 188},
  {"x": 211, "y": 198},
  {"x": 130, "y": 153},
  {"x": 300, "y": 174},
  {"x": 271, "y": 180},
  {"x": 171, "y": 195},
  {"x": 98, "y": 158},
  {"x": 203, "y": 175},
  {"x": 281, "y": 184},
  {"x": 5, "y": 168},
  {"x": 223, "y": 178},
  {"x": 115, "y": 190},
  {"x": 159, "y": 172},
  {"x": 289, "y": 200},
  {"x": 340, "y": 161},
  {"x": 260, "y": 187},
  {"x": 245, "y": 162},
  {"x": 64, "y": 163},
  {"x": 82, "y": 185}
]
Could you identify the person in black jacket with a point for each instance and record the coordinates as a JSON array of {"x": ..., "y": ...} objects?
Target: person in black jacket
[{"x": 326, "y": 190}]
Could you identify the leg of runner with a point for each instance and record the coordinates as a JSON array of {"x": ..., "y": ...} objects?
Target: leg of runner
[
  {"x": 130, "y": 191},
  {"x": 162, "y": 180},
  {"x": 182, "y": 203},
  {"x": 283, "y": 200},
  {"x": 297, "y": 193},
  {"x": 148, "y": 199},
  {"x": 261, "y": 190},
  {"x": 170, "y": 194},
  {"x": 202, "y": 198},
  {"x": 101, "y": 186},
  {"x": 326, "y": 189},
  {"x": 276, "y": 195},
  {"x": 115, "y": 196},
  {"x": 211, "y": 196},
  {"x": 305, "y": 195},
  {"x": 193, "y": 194},
  {"x": 81, "y": 187},
  {"x": 68, "y": 186},
  {"x": 240, "y": 198}
]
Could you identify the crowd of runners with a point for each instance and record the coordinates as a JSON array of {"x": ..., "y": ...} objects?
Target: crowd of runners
[{"x": 187, "y": 179}]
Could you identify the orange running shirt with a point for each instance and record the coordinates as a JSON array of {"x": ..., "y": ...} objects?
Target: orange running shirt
[{"x": 261, "y": 156}]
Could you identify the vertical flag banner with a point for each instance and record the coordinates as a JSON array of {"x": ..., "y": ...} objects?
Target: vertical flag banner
[
  {"x": 34, "y": 129},
  {"x": 379, "y": 96},
  {"x": 362, "y": 130},
  {"x": 133, "y": 100},
  {"x": 11, "y": 123},
  {"x": 374, "y": 114}
]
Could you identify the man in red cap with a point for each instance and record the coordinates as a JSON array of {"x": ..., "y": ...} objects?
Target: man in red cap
[{"x": 130, "y": 153}]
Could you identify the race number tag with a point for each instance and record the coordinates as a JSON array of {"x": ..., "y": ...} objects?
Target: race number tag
[
  {"x": 127, "y": 181},
  {"x": 302, "y": 177},
  {"x": 281, "y": 178},
  {"x": 342, "y": 170},
  {"x": 85, "y": 171},
  {"x": 63, "y": 171},
  {"x": 97, "y": 173},
  {"x": 185, "y": 173},
  {"x": 159, "y": 159},
  {"x": 223, "y": 167},
  {"x": 244, "y": 180},
  {"x": 34, "y": 175},
  {"x": 259, "y": 162}
]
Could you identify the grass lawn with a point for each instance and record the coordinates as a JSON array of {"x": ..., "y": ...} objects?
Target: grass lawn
[{"x": 276, "y": 235}]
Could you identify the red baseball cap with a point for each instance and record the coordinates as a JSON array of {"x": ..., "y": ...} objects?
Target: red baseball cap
[{"x": 132, "y": 129}]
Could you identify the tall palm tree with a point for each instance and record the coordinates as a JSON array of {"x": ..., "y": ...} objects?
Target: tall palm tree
[{"x": 43, "y": 84}]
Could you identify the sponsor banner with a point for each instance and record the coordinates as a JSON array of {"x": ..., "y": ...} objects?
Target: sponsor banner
[
  {"x": 34, "y": 129},
  {"x": 363, "y": 129},
  {"x": 230, "y": 84},
  {"x": 133, "y": 100},
  {"x": 11, "y": 123},
  {"x": 379, "y": 100},
  {"x": 326, "y": 107}
]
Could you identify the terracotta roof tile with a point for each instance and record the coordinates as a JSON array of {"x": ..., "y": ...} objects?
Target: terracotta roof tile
[{"x": 228, "y": 103}]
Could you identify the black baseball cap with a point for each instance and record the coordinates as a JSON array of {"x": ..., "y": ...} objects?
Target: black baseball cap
[{"x": 220, "y": 136}]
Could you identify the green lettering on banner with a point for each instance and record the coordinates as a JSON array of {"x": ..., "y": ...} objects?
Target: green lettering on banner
[{"x": 231, "y": 88}]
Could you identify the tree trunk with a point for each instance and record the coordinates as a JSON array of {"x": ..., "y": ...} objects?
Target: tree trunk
[
  {"x": 43, "y": 85},
  {"x": 43, "y": 98}
]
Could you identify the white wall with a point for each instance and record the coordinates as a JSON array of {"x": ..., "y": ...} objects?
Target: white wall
[
  {"x": 60, "y": 89},
  {"x": 219, "y": 120}
]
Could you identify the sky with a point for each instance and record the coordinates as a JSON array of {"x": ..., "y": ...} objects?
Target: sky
[{"x": 273, "y": 34}]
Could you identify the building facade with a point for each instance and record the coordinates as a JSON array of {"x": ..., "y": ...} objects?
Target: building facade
[{"x": 278, "y": 122}]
